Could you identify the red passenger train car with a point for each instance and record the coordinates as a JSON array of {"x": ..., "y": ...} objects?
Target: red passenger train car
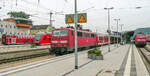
[
  {"x": 42, "y": 38},
  {"x": 140, "y": 40},
  {"x": 103, "y": 39},
  {"x": 63, "y": 40},
  {"x": 16, "y": 39}
]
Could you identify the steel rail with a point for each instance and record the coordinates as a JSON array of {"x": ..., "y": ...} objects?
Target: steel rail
[{"x": 144, "y": 58}]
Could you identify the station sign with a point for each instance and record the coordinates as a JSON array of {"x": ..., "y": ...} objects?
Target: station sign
[
  {"x": 117, "y": 34},
  {"x": 81, "y": 18}
]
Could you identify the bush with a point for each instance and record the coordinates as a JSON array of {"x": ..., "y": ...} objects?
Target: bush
[
  {"x": 90, "y": 51},
  {"x": 95, "y": 51},
  {"x": 98, "y": 53}
]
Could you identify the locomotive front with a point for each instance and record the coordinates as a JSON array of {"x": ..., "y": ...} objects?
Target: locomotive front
[
  {"x": 140, "y": 40},
  {"x": 59, "y": 43}
]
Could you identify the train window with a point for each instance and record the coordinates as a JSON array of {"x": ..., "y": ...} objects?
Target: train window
[
  {"x": 100, "y": 38},
  {"x": 79, "y": 34},
  {"x": 72, "y": 32},
  {"x": 83, "y": 34},
  {"x": 44, "y": 38},
  {"x": 92, "y": 35},
  {"x": 86, "y": 35},
  {"x": 60, "y": 33},
  {"x": 140, "y": 36},
  {"x": 9, "y": 39},
  {"x": 49, "y": 38},
  {"x": 38, "y": 36}
]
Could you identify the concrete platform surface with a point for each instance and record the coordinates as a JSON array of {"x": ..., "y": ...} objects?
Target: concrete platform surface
[{"x": 120, "y": 61}]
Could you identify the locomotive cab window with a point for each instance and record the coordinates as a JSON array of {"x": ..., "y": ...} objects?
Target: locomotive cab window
[
  {"x": 60, "y": 33},
  {"x": 38, "y": 36},
  {"x": 140, "y": 36}
]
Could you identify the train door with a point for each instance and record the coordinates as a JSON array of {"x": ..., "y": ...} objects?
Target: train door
[
  {"x": 3, "y": 39},
  {"x": 13, "y": 40},
  {"x": 71, "y": 38}
]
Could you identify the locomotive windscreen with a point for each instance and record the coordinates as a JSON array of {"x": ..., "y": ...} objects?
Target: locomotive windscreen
[
  {"x": 140, "y": 36},
  {"x": 38, "y": 37},
  {"x": 60, "y": 33}
]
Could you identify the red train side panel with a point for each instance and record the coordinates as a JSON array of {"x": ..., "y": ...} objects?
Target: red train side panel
[{"x": 15, "y": 39}]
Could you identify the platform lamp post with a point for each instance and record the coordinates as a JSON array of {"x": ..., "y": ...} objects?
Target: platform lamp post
[
  {"x": 121, "y": 25},
  {"x": 109, "y": 30},
  {"x": 117, "y": 20},
  {"x": 76, "y": 46}
]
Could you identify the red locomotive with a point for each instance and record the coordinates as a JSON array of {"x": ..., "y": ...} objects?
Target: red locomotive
[
  {"x": 140, "y": 40},
  {"x": 63, "y": 40},
  {"x": 42, "y": 38},
  {"x": 16, "y": 39}
]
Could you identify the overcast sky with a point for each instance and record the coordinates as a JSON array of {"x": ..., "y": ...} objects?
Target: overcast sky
[{"x": 131, "y": 17}]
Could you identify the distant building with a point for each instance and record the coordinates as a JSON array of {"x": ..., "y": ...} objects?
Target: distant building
[
  {"x": 7, "y": 27},
  {"x": 18, "y": 26},
  {"x": 40, "y": 28}
]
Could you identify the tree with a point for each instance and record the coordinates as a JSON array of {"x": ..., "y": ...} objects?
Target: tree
[{"x": 18, "y": 15}]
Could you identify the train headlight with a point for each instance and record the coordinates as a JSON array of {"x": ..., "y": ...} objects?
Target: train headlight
[
  {"x": 65, "y": 41},
  {"x": 54, "y": 41}
]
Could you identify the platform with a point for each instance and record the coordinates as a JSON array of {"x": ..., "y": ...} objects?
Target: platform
[{"x": 122, "y": 61}]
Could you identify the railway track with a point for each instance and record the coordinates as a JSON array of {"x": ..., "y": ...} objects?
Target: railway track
[
  {"x": 145, "y": 54},
  {"x": 13, "y": 46},
  {"x": 7, "y": 57}
]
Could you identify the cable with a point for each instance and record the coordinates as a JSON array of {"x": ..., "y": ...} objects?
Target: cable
[{"x": 35, "y": 4}]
